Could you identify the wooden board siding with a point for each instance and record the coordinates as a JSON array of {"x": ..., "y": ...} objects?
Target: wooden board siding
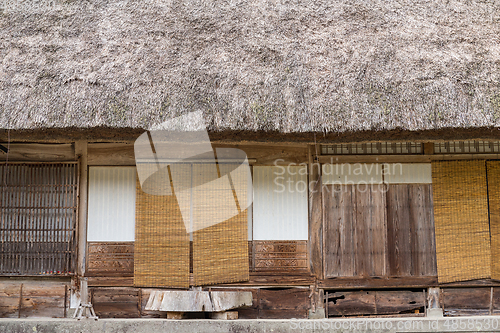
[
  {"x": 110, "y": 259},
  {"x": 31, "y": 298},
  {"x": 355, "y": 303},
  {"x": 355, "y": 231},
  {"x": 370, "y": 233},
  {"x": 116, "y": 259},
  {"x": 410, "y": 230}
]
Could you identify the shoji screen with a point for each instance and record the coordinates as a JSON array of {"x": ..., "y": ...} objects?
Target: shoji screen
[
  {"x": 280, "y": 218},
  {"x": 111, "y": 207}
]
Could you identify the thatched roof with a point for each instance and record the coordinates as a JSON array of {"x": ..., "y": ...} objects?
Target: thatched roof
[{"x": 287, "y": 66}]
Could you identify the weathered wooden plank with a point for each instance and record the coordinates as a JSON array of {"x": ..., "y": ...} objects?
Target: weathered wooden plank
[
  {"x": 339, "y": 247},
  {"x": 116, "y": 302},
  {"x": 39, "y": 152},
  {"x": 378, "y": 231},
  {"x": 422, "y": 226},
  {"x": 110, "y": 259},
  {"x": 456, "y": 299},
  {"x": 398, "y": 301},
  {"x": 398, "y": 231},
  {"x": 378, "y": 283},
  {"x": 282, "y": 299},
  {"x": 374, "y": 302},
  {"x": 315, "y": 244},
  {"x": 362, "y": 221},
  {"x": 351, "y": 303},
  {"x": 332, "y": 249},
  {"x": 111, "y": 154}
]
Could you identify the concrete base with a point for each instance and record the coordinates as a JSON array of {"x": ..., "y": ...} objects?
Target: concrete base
[
  {"x": 435, "y": 313},
  {"x": 318, "y": 314},
  {"x": 359, "y": 325}
]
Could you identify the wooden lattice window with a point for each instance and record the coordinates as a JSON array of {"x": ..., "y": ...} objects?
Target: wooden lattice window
[{"x": 38, "y": 211}]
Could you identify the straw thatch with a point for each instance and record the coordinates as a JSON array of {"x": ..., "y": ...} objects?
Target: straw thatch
[{"x": 286, "y": 66}]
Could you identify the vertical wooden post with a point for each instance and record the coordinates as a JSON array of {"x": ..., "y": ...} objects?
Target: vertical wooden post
[
  {"x": 315, "y": 244},
  {"x": 428, "y": 148},
  {"x": 81, "y": 153}
]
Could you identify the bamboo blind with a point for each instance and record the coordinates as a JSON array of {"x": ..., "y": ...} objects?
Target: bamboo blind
[
  {"x": 161, "y": 254},
  {"x": 461, "y": 220},
  {"x": 220, "y": 251},
  {"x": 493, "y": 168}
]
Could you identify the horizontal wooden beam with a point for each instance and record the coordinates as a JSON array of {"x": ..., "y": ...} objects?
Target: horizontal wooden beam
[
  {"x": 378, "y": 283},
  {"x": 21, "y": 152},
  {"x": 403, "y": 158}
]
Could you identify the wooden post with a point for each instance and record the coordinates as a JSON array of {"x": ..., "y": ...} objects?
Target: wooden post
[
  {"x": 81, "y": 153},
  {"x": 428, "y": 148},
  {"x": 315, "y": 244}
]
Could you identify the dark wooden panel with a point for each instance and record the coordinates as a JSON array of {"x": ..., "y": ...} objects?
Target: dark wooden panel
[
  {"x": 110, "y": 259},
  {"x": 459, "y": 301},
  {"x": 378, "y": 302},
  {"x": 399, "y": 301},
  {"x": 279, "y": 256},
  {"x": 116, "y": 302},
  {"x": 283, "y": 303},
  {"x": 351, "y": 303},
  {"x": 411, "y": 242}
]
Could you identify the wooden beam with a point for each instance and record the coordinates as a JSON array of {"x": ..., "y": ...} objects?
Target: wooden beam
[
  {"x": 403, "y": 158},
  {"x": 111, "y": 154},
  {"x": 38, "y": 152},
  {"x": 81, "y": 152},
  {"x": 378, "y": 283},
  {"x": 315, "y": 244}
]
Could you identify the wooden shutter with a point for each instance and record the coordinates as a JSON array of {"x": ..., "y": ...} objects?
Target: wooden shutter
[
  {"x": 355, "y": 223},
  {"x": 461, "y": 220},
  {"x": 161, "y": 254},
  {"x": 493, "y": 168},
  {"x": 411, "y": 245}
]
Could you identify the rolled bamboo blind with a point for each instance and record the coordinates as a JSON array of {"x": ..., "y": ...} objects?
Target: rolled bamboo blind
[
  {"x": 461, "y": 220},
  {"x": 493, "y": 168},
  {"x": 161, "y": 253},
  {"x": 220, "y": 251}
]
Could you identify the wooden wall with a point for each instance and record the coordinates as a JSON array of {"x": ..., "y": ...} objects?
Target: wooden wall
[
  {"x": 34, "y": 298},
  {"x": 123, "y": 302},
  {"x": 375, "y": 302},
  {"x": 374, "y": 233}
]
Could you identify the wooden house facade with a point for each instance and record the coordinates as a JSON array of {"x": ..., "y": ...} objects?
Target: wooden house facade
[{"x": 373, "y": 149}]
